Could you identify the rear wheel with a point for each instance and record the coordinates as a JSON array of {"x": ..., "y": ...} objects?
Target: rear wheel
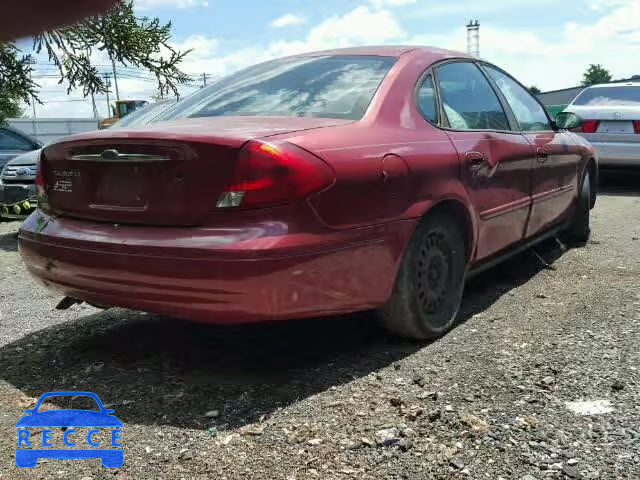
[
  {"x": 429, "y": 286},
  {"x": 579, "y": 230}
]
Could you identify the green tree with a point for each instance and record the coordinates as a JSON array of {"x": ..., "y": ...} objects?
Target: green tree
[
  {"x": 534, "y": 90},
  {"x": 9, "y": 108},
  {"x": 15, "y": 81},
  {"x": 118, "y": 34},
  {"x": 596, "y": 74}
]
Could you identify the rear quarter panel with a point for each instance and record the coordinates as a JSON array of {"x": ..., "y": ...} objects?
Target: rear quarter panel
[{"x": 392, "y": 126}]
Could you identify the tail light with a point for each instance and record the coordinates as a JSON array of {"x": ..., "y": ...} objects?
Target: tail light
[
  {"x": 41, "y": 190},
  {"x": 589, "y": 126},
  {"x": 274, "y": 173},
  {"x": 636, "y": 126}
]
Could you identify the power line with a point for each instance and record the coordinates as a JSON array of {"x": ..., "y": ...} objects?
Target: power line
[{"x": 68, "y": 100}]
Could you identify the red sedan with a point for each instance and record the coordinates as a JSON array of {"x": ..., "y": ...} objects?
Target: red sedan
[{"x": 324, "y": 183}]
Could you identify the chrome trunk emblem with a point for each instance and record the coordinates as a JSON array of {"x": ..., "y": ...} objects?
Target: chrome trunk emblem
[
  {"x": 110, "y": 154},
  {"x": 113, "y": 155}
]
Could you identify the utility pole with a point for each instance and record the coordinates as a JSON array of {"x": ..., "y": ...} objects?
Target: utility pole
[
  {"x": 473, "y": 38},
  {"x": 107, "y": 83},
  {"x": 32, "y": 61},
  {"x": 115, "y": 79},
  {"x": 95, "y": 108},
  {"x": 204, "y": 80}
]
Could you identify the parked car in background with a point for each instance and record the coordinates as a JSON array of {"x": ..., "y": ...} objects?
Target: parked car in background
[
  {"x": 13, "y": 143},
  {"x": 17, "y": 180},
  {"x": 331, "y": 182},
  {"x": 610, "y": 116}
]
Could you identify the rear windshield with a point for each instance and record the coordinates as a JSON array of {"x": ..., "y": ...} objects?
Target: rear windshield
[
  {"x": 627, "y": 95},
  {"x": 326, "y": 87}
]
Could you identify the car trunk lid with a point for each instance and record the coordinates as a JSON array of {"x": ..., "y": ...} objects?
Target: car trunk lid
[
  {"x": 166, "y": 174},
  {"x": 609, "y": 119}
]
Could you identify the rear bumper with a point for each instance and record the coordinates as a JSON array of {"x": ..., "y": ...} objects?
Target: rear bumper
[
  {"x": 618, "y": 153},
  {"x": 215, "y": 275}
]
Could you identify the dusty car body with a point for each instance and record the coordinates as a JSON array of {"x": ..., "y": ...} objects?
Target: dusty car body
[{"x": 411, "y": 169}]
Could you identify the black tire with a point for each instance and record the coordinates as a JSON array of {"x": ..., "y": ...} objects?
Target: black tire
[
  {"x": 428, "y": 290},
  {"x": 579, "y": 229}
]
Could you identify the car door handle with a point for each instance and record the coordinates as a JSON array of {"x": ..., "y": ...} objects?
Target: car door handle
[
  {"x": 480, "y": 165},
  {"x": 476, "y": 160},
  {"x": 542, "y": 155}
]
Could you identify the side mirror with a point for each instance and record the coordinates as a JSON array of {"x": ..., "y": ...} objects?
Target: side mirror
[{"x": 568, "y": 121}]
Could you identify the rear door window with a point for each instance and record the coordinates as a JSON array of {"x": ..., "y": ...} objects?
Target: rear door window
[
  {"x": 468, "y": 99},
  {"x": 529, "y": 114}
]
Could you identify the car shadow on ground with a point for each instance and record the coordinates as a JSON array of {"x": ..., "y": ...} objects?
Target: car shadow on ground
[
  {"x": 159, "y": 371},
  {"x": 620, "y": 182}
]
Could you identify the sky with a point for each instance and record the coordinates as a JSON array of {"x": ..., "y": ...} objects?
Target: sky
[{"x": 547, "y": 43}]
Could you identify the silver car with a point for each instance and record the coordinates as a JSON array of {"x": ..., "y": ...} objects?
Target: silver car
[{"x": 610, "y": 116}]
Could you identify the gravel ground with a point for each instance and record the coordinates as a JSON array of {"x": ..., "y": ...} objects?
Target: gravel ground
[{"x": 337, "y": 398}]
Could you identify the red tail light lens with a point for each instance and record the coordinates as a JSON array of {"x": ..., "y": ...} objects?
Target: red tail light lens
[
  {"x": 590, "y": 126},
  {"x": 636, "y": 126},
  {"x": 274, "y": 173},
  {"x": 40, "y": 190}
]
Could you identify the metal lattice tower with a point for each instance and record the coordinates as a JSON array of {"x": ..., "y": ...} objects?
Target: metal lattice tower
[{"x": 473, "y": 38}]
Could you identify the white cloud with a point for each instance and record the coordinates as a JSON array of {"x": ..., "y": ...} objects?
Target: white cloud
[
  {"x": 360, "y": 26},
  {"x": 600, "y": 5},
  {"x": 151, "y": 4},
  {"x": 288, "y": 20},
  {"x": 391, "y": 3}
]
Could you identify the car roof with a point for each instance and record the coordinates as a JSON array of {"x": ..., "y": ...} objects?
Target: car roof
[
  {"x": 388, "y": 51},
  {"x": 621, "y": 84}
]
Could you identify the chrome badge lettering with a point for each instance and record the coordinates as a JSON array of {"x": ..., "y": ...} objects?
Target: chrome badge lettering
[{"x": 64, "y": 180}]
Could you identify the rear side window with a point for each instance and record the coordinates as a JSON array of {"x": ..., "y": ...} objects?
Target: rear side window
[
  {"x": 468, "y": 100},
  {"x": 529, "y": 114},
  {"x": 623, "y": 95},
  {"x": 337, "y": 86},
  {"x": 427, "y": 103}
]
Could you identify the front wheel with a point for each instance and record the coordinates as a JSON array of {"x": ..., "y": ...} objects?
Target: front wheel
[
  {"x": 429, "y": 286},
  {"x": 579, "y": 229}
]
